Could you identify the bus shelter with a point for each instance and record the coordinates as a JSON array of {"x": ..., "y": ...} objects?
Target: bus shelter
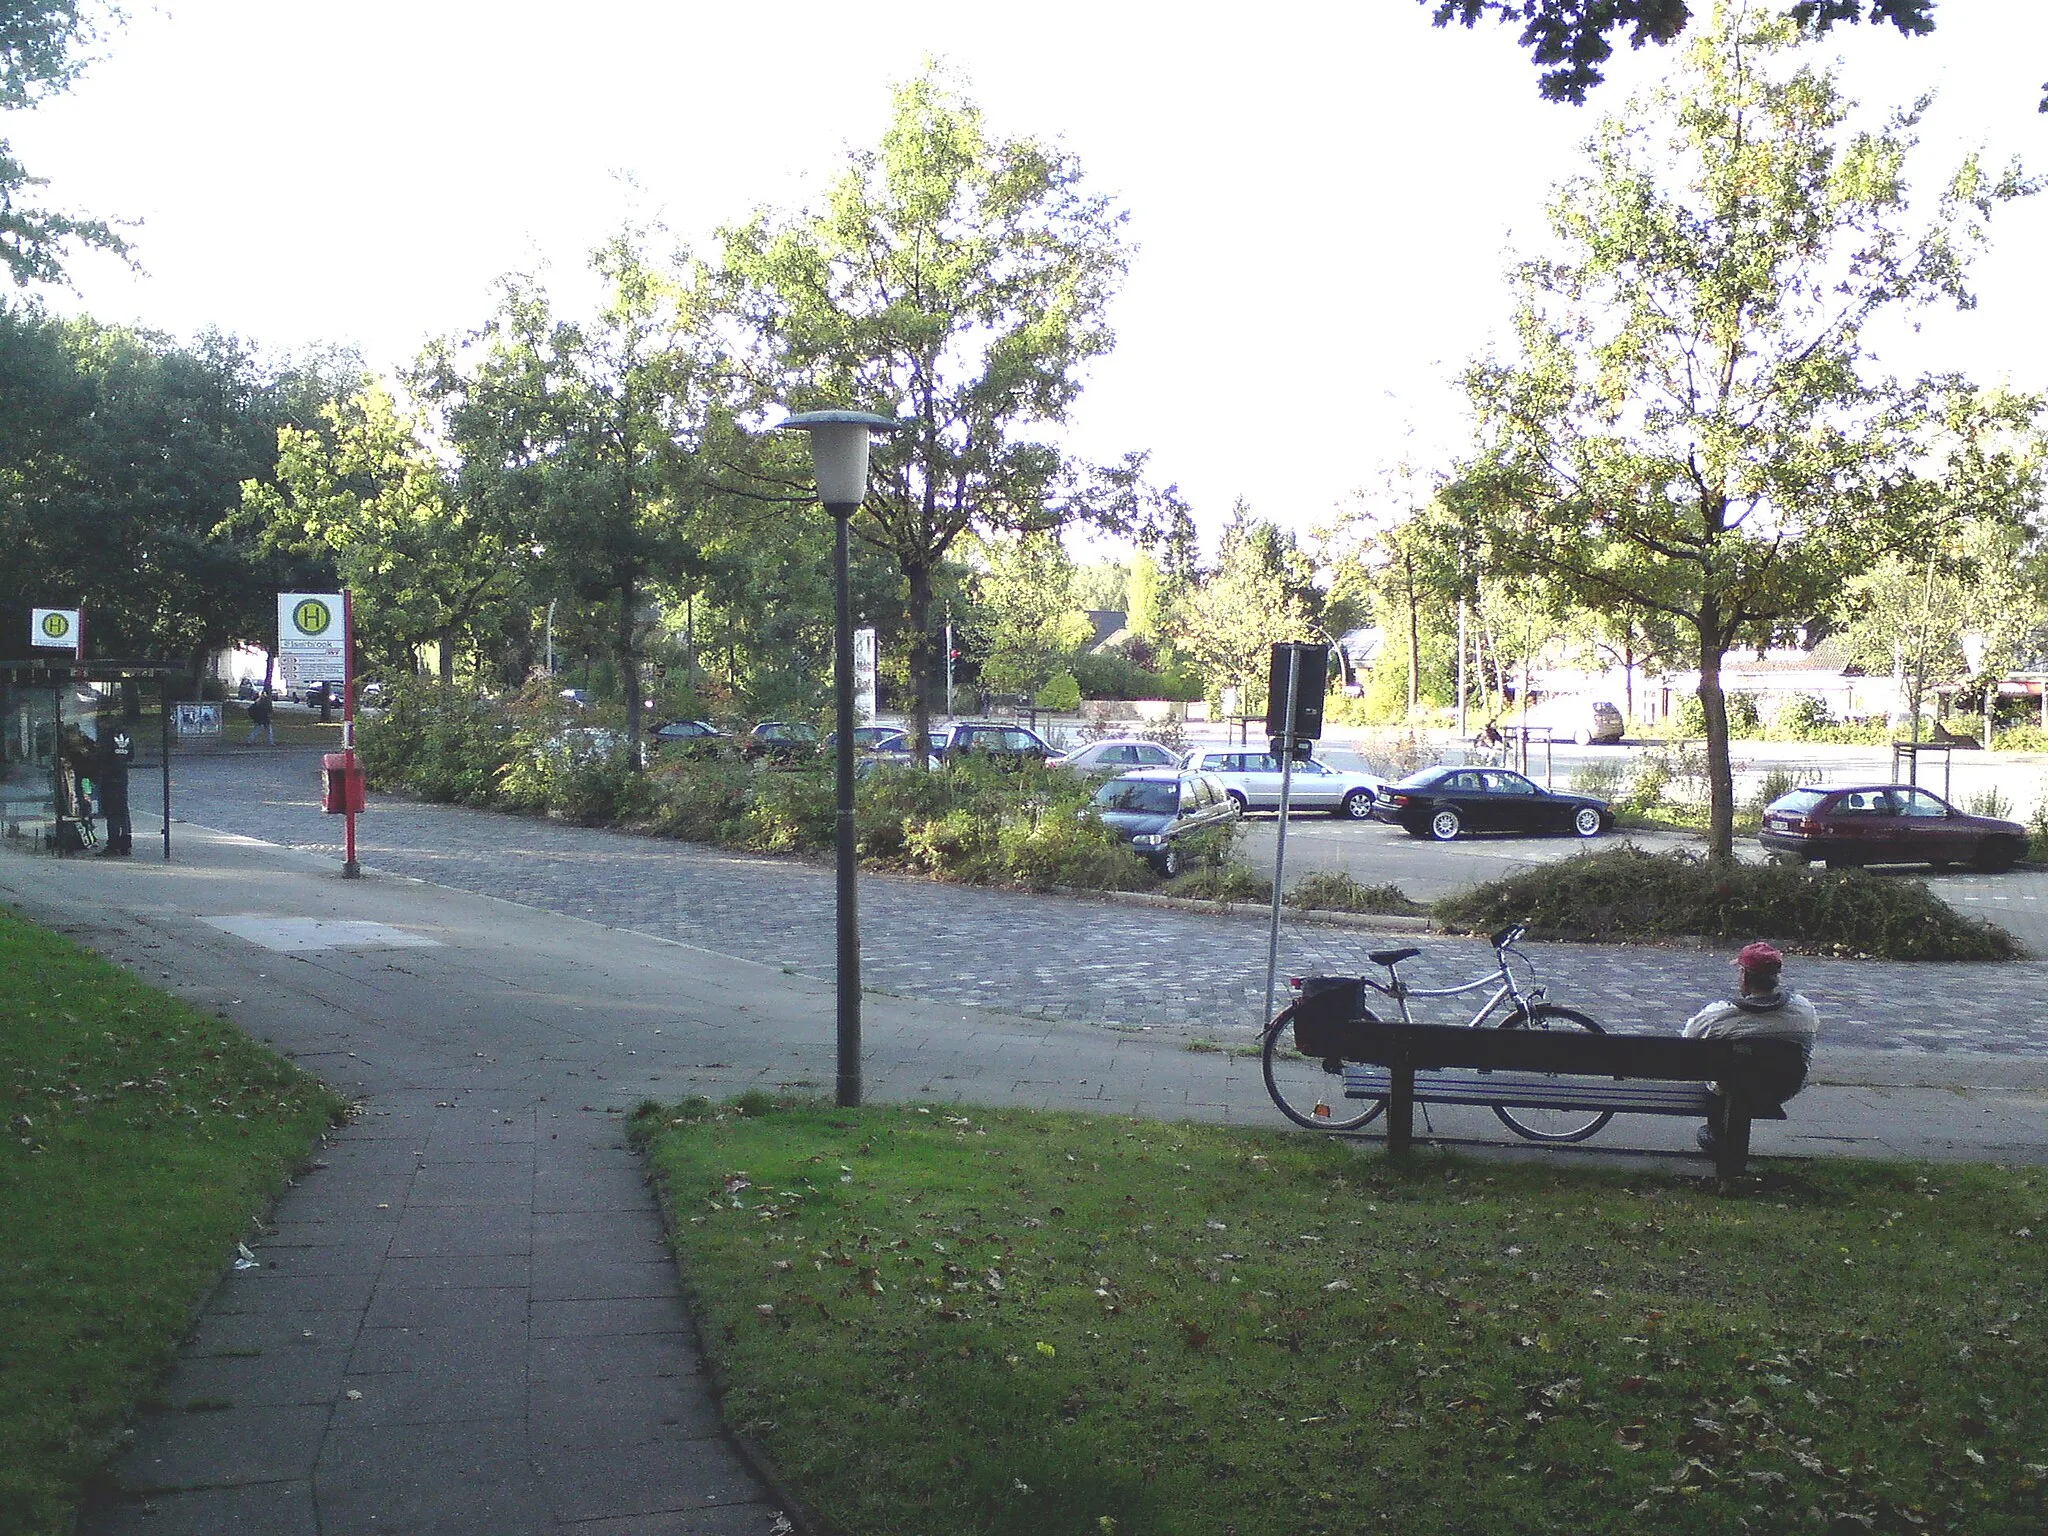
[{"x": 51, "y": 714}]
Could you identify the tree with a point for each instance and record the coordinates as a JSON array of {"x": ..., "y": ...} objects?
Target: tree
[
  {"x": 960, "y": 282},
  {"x": 42, "y": 46},
  {"x": 588, "y": 435},
  {"x": 1569, "y": 37},
  {"x": 1693, "y": 425},
  {"x": 425, "y": 565},
  {"x": 1261, "y": 592},
  {"x": 1028, "y": 616}
]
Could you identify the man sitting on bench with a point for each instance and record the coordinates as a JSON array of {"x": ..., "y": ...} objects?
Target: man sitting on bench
[{"x": 1761, "y": 1010}]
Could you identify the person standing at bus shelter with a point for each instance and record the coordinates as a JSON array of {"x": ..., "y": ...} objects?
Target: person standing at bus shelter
[{"x": 110, "y": 777}]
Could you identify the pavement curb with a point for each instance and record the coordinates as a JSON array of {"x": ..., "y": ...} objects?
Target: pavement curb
[{"x": 1368, "y": 921}]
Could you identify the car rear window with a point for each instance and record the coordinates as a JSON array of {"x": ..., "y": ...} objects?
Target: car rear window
[{"x": 1798, "y": 803}]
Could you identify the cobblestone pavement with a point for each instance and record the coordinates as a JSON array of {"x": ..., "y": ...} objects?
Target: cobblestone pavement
[{"x": 1050, "y": 957}]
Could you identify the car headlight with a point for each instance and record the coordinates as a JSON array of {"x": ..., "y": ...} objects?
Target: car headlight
[{"x": 1150, "y": 840}]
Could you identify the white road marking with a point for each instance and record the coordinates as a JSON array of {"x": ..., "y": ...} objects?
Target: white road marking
[{"x": 296, "y": 935}]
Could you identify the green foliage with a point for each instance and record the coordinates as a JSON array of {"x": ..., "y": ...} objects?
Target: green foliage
[
  {"x": 1107, "y": 675},
  {"x": 1329, "y": 890},
  {"x": 140, "y": 1135},
  {"x": 1603, "y": 777},
  {"x": 1261, "y": 592},
  {"x": 702, "y": 800},
  {"x": 438, "y": 746},
  {"x": 791, "y": 810},
  {"x": 1062, "y": 849},
  {"x": 1061, "y": 694},
  {"x": 1801, "y": 717},
  {"x": 1624, "y": 893},
  {"x": 1744, "y": 720},
  {"x": 1208, "y": 881},
  {"x": 1990, "y": 801},
  {"x": 1735, "y": 225},
  {"x": 1056, "y": 1325}
]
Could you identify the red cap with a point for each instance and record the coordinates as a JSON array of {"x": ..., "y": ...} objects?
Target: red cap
[{"x": 1759, "y": 957}]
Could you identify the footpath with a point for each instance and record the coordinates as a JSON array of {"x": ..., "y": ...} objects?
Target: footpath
[{"x": 464, "y": 1318}]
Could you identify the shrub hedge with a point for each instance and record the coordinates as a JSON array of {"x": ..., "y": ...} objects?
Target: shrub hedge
[{"x": 1627, "y": 893}]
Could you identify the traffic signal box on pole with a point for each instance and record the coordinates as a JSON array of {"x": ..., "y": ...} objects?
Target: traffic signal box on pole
[{"x": 1310, "y": 666}]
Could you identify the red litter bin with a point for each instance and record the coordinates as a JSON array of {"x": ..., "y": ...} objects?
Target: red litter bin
[{"x": 341, "y": 784}]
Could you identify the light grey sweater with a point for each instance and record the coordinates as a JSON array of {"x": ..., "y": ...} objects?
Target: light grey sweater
[{"x": 1780, "y": 1016}]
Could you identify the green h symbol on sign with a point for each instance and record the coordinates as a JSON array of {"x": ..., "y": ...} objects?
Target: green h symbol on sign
[{"x": 312, "y": 617}]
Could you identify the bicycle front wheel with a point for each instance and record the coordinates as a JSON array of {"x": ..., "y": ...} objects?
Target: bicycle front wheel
[
  {"x": 1309, "y": 1090},
  {"x": 1553, "y": 1125}
]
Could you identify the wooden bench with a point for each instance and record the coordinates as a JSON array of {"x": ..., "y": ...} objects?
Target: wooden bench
[{"x": 1410, "y": 1064}]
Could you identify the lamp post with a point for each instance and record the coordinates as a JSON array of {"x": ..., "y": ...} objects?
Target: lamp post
[{"x": 839, "y": 456}]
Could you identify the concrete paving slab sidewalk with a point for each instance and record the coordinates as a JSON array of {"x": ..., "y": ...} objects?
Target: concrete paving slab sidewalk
[{"x": 464, "y": 1319}]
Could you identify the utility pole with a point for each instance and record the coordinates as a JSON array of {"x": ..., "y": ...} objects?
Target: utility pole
[{"x": 949, "y": 661}]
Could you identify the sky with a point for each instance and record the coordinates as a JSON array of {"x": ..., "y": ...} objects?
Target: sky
[{"x": 1323, "y": 197}]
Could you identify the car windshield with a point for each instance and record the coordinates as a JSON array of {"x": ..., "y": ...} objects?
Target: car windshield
[{"x": 1151, "y": 797}]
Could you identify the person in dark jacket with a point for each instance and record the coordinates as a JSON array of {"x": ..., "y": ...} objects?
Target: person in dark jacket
[
  {"x": 259, "y": 720},
  {"x": 110, "y": 778}
]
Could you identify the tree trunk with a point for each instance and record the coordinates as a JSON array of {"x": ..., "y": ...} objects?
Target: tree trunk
[
  {"x": 919, "y": 614},
  {"x": 629, "y": 674},
  {"x": 444, "y": 660},
  {"x": 1720, "y": 774},
  {"x": 1414, "y": 642}
]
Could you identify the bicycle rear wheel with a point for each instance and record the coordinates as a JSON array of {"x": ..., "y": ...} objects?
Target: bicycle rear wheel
[
  {"x": 1309, "y": 1090},
  {"x": 1553, "y": 1125}
]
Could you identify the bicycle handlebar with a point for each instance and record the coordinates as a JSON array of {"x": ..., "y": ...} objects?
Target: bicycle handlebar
[{"x": 1509, "y": 934}]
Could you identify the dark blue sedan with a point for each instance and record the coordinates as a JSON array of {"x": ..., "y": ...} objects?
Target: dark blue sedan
[{"x": 1445, "y": 803}]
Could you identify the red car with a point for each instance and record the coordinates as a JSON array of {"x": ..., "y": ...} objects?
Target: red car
[{"x": 1887, "y": 824}]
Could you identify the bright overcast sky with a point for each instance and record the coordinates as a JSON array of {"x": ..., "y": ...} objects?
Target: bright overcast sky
[{"x": 1322, "y": 194}]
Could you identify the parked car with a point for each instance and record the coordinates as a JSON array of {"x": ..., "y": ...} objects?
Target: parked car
[
  {"x": 872, "y": 738},
  {"x": 1116, "y": 756},
  {"x": 1444, "y": 803},
  {"x": 1252, "y": 779},
  {"x": 1003, "y": 740},
  {"x": 1886, "y": 824},
  {"x": 1573, "y": 717},
  {"x": 694, "y": 738},
  {"x": 1156, "y": 809},
  {"x": 780, "y": 741}
]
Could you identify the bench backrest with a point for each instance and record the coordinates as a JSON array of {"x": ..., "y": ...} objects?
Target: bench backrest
[{"x": 1670, "y": 1057}]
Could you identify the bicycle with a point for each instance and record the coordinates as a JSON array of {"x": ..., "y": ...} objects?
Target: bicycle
[{"x": 1299, "y": 1082}]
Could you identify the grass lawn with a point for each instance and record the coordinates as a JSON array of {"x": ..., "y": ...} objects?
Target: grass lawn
[
  {"x": 140, "y": 1137},
  {"x": 992, "y": 1321}
]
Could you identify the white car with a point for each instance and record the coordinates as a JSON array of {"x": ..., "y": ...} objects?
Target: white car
[
  {"x": 1117, "y": 756},
  {"x": 1252, "y": 779},
  {"x": 1573, "y": 717}
]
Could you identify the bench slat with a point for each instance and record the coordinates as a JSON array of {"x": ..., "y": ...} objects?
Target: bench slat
[{"x": 1522, "y": 1091}]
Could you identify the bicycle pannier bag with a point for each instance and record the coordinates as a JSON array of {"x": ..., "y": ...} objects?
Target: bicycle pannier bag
[{"x": 1323, "y": 1015}]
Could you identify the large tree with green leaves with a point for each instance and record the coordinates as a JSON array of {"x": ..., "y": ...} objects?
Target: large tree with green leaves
[
  {"x": 43, "y": 47},
  {"x": 1262, "y": 591},
  {"x": 587, "y": 434},
  {"x": 960, "y": 282},
  {"x": 1693, "y": 423},
  {"x": 371, "y": 489}
]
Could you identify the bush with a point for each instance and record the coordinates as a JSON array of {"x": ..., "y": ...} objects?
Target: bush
[
  {"x": 1330, "y": 890},
  {"x": 1603, "y": 777},
  {"x": 1624, "y": 893},
  {"x": 1061, "y": 694},
  {"x": 1993, "y": 802},
  {"x": 791, "y": 810},
  {"x": 440, "y": 748},
  {"x": 1801, "y": 718},
  {"x": 1744, "y": 719},
  {"x": 1067, "y": 850},
  {"x": 1221, "y": 882},
  {"x": 703, "y": 800},
  {"x": 1774, "y": 785}
]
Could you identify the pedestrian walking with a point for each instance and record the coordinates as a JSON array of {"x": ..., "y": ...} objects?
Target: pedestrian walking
[
  {"x": 110, "y": 778},
  {"x": 259, "y": 720}
]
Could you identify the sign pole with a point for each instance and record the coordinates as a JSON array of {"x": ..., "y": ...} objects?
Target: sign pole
[
  {"x": 1280, "y": 841},
  {"x": 350, "y": 870}
]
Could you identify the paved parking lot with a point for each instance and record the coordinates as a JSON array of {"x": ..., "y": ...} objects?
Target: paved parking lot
[{"x": 1048, "y": 957}]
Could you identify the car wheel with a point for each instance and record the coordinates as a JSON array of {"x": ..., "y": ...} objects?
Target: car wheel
[
  {"x": 1357, "y": 805},
  {"x": 1444, "y": 826},
  {"x": 1586, "y": 821},
  {"x": 1239, "y": 801},
  {"x": 1169, "y": 861},
  {"x": 1582, "y": 738},
  {"x": 1995, "y": 856}
]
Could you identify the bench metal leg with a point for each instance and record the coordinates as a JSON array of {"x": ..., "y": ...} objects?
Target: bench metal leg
[
  {"x": 1401, "y": 1109},
  {"x": 1731, "y": 1133}
]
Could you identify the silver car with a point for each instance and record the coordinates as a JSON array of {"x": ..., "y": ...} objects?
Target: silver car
[
  {"x": 1252, "y": 779},
  {"x": 1117, "y": 756}
]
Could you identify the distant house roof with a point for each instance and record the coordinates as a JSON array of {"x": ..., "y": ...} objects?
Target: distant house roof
[
  {"x": 1108, "y": 624},
  {"x": 1828, "y": 655}
]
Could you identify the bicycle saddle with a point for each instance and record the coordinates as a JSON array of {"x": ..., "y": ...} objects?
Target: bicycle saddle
[{"x": 1392, "y": 956}]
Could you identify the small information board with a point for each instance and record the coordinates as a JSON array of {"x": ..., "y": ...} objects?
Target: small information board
[{"x": 197, "y": 719}]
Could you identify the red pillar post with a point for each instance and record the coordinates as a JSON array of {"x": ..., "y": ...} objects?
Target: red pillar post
[{"x": 350, "y": 870}]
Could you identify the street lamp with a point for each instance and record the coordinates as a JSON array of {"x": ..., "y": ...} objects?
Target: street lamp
[{"x": 839, "y": 457}]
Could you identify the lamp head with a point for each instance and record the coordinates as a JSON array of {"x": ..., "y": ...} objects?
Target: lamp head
[{"x": 839, "y": 453}]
